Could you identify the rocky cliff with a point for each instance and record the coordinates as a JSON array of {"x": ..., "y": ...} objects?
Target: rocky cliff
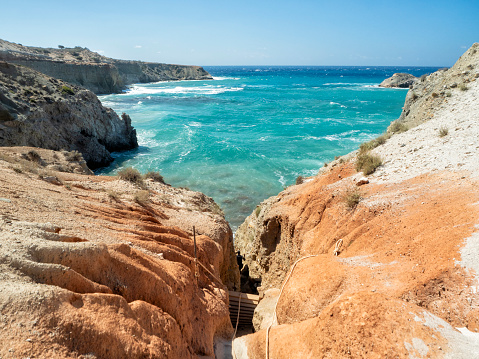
[
  {"x": 100, "y": 267},
  {"x": 399, "y": 80},
  {"x": 388, "y": 262},
  {"x": 97, "y": 73},
  {"x": 41, "y": 111}
]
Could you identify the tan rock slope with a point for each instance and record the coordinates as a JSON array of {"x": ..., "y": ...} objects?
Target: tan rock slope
[
  {"x": 98, "y": 267},
  {"x": 97, "y": 73},
  {"x": 393, "y": 271},
  {"x": 41, "y": 111}
]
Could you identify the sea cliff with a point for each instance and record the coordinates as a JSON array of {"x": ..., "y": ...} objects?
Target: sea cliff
[
  {"x": 97, "y": 73},
  {"x": 40, "y": 111},
  {"x": 386, "y": 260}
]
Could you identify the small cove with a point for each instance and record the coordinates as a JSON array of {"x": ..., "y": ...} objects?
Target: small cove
[{"x": 249, "y": 133}]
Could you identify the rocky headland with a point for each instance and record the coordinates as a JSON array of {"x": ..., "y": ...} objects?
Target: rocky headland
[
  {"x": 399, "y": 80},
  {"x": 104, "y": 267},
  {"x": 97, "y": 73},
  {"x": 384, "y": 240},
  {"x": 41, "y": 111}
]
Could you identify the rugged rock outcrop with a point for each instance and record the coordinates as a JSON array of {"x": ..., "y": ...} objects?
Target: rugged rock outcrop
[
  {"x": 41, "y": 111},
  {"x": 97, "y": 73},
  {"x": 97, "y": 267},
  {"x": 387, "y": 264},
  {"x": 400, "y": 80}
]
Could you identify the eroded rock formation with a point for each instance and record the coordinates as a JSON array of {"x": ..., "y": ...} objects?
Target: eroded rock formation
[
  {"x": 96, "y": 267},
  {"x": 97, "y": 73},
  {"x": 399, "y": 80},
  {"x": 41, "y": 111},
  {"x": 391, "y": 274}
]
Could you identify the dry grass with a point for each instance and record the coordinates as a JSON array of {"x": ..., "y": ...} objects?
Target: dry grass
[
  {"x": 155, "y": 176},
  {"x": 398, "y": 127},
  {"x": 73, "y": 156},
  {"x": 142, "y": 197},
  {"x": 367, "y": 163},
  {"x": 132, "y": 175},
  {"x": 443, "y": 131},
  {"x": 352, "y": 197}
]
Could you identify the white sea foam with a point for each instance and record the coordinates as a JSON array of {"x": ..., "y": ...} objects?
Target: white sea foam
[
  {"x": 202, "y": 90},
  {"x": 338, "y": 104},
  {"x": 221, "y": 78}
]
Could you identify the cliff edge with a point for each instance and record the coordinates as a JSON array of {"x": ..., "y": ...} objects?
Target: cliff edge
[
  {"x": 102, "y": 267},
  {"x": 387, "y": 253},
  {"x": 40, "y": 111},
  {"x": 97, "y": 73}
]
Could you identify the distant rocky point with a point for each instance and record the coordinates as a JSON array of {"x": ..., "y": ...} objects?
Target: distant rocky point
[
  {"x": 400, "y": 80},
  {"x": 97, "y": 73},
  {"x": 40, "y": 111}
]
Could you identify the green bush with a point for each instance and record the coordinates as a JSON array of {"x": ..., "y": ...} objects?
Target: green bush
[
  {"x": 67, "y": 90},
  {"x": 367, "y": 163}
]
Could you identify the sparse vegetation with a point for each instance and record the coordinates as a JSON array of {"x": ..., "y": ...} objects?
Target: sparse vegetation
[
  {"x": 398, "y": 127},
  {"x": 113, "y": 195},
  {"x": 352, "y": 197},
  {"x": 414, "y": 96},
  {"x": 448, "y": 94},
  {"x": 132, "y": 175},
  {"x": 380, "y": 140},
  {"x": 73, "y": 156},
  {"x": 67, "y": 90},
  {"x": 423, "y": 77},
  {"x": 155, "y": 176},
  {"x": 434, "y": 95},
  {"x": 367, "y": 163},
  {"x": 17, "y": 169},
  {"x": 142, "y": 197},
  {"x": 463, "y": 87},
  {"x": 257, "y": 211},
  {"x": 299, "y": 180},
  {"x": 33, "y": 156},
  {"x": 443, "y": 131}
]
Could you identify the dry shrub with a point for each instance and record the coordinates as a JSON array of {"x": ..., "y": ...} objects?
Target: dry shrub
[
  {"x": 132, "y": 175},
  {"x": 299, "y": 180},
  {"x": 367, "y": 163},
  {"x": 398, "y": 127},
  {"x": 142, "y": 197},
  {"x": 352, "y": 197},
  {"x": 443, "y": 131},
  {"x": 73, "y": 156},
  {"x": 155, "y": 176}
]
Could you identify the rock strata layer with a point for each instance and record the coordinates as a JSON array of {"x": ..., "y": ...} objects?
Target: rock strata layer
[
  {"x": 387, "y": 268},
  {"x": 40, "y": 111},
  {"x": 97, "y": 73},
  {"x": 97, "y": 267}
]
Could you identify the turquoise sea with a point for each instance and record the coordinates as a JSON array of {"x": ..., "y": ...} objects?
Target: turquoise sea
[{"x": 250, "y": 132}]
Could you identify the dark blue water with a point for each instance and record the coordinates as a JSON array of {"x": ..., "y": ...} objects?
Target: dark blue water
[{"x": 244, "y": 136}]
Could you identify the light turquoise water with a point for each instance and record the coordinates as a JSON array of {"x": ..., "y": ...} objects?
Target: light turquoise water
[{"x": 244, "y": 136}]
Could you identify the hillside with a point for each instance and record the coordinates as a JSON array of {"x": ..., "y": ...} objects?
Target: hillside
[
  {"x": 389, "y": 260},
  {"x": 97, "y": 73}
]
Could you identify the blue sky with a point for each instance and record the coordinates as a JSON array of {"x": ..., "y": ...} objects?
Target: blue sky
[{"x": 261, "y": 32}]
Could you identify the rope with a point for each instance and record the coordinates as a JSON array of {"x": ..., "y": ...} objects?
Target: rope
[
  {"x": 275, "y": 318},
  {"x": 234, "y": 334},
  {"x": 337, "y": 247}
]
